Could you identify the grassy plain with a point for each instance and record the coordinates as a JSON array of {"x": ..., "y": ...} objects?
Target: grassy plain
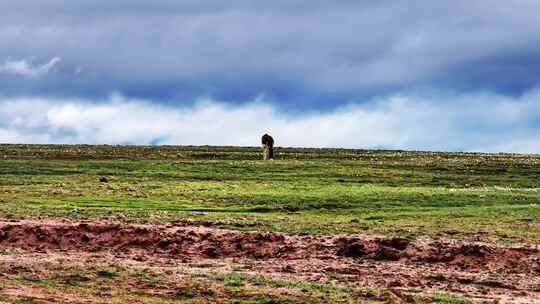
[
  {"x": 472, "y": 196},
  {"x": 324, "y": 191}
]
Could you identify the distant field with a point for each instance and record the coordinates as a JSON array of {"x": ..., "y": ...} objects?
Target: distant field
[
  {"x": 303, "y": 191},
  {"x": 65, "y": 208}
]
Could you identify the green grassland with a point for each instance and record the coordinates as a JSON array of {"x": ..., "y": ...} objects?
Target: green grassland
[{"x": 305, "y": 191}]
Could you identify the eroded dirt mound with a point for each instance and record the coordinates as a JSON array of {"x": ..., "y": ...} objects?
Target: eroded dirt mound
[
  {"x": 192, "y": 241},
  {"x": 454, "y": 254},
  {"x": 189, "y": 241}
]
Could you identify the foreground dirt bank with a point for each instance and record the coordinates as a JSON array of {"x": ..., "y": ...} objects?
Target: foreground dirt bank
[{"x": 480, "y": 270}]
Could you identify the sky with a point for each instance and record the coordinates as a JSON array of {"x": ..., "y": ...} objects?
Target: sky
[{"x": 416, "y": 75}]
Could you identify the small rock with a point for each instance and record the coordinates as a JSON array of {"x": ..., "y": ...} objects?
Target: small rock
[
  {"x": 386, "y": 254},
  {"x": 85, "y": 238},
  {"x": 211, "y": 252},
  {"x": 396, "y": 243},
  {"x": 289, "y": 269},
  {"x": 352, "y": 249}
]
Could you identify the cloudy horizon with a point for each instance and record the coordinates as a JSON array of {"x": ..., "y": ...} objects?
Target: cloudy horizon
[{"x": 415, "y": 75}]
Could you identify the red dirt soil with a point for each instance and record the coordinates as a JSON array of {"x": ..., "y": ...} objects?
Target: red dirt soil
[{"x": 509, "y": 272}]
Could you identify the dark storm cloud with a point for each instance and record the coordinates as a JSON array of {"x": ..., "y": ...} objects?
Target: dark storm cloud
[
  {"x": 445, "y": 75},
  {"x": 306, "y": 53}
]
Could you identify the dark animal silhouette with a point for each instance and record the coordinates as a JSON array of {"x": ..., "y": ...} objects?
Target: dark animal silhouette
[{"x": 268, "y": 146}]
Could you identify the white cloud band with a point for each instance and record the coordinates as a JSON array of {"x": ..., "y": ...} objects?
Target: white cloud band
[
  {"x": 24, "y": 68},
  {"x": 479, "y": 122}
]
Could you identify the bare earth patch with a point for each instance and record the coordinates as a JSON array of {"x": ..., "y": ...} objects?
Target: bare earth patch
[{"x": 481, "y": 271}]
